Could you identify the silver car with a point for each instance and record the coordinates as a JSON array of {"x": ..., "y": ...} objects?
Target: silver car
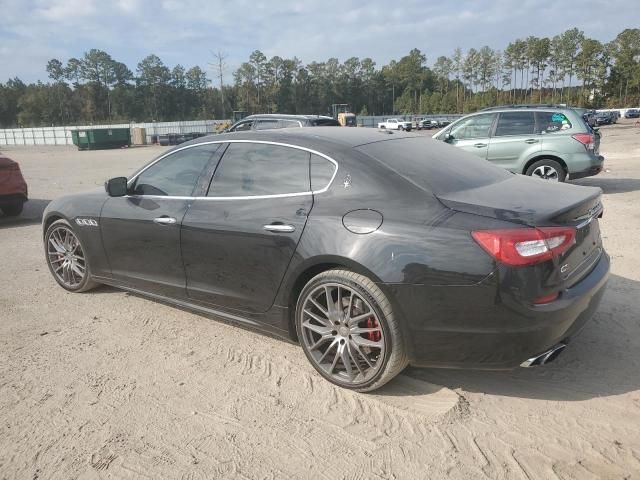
[{"x": 552, "y": 143}]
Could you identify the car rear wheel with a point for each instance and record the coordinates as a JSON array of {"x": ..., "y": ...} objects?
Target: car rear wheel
[
  {"x": 547, "y": 169},
  {"x": 12, "y": 209},
  {"x": 66, "y": 258},
  {"x": 348, "y": 332}
]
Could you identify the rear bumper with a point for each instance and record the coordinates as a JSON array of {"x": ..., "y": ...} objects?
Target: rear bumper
[
  {"x": 13, "y": 198},
  {"x": 592, "y": 166},
  {"x": 589, "y": 172},
  {"x": 471, "y": 327}
]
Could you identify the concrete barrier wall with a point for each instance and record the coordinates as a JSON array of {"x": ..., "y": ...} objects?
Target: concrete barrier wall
[{"x": 62, "y": 135}]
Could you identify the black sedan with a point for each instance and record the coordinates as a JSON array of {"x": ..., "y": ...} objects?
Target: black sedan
[{"x": 374, "y": 250}]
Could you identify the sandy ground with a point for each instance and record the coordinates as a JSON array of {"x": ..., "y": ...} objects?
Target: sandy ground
[{"x": 110, "y": 385}]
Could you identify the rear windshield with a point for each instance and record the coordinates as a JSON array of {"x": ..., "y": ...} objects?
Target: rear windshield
[
  {"x": 433, "y": 165},
  {"x": 325, "y": 122}
]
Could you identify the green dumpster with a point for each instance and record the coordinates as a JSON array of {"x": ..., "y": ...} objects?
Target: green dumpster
[{"x": 101, "y": 138}]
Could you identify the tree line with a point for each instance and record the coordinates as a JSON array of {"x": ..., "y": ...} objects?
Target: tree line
[{"x": 568, "y": 68}]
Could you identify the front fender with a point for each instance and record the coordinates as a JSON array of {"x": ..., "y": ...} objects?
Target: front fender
[{"x": 83, "y": 213}]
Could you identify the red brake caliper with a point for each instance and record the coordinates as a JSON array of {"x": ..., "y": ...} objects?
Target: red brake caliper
[{"x": 373, "y": 336}]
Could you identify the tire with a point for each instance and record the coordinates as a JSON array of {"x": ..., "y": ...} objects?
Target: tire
[
  {"x": 12, "y": 209},
  {"x": 547, "y": 169},
  {"x": 375, "y": 356},
  {"x": 383, "y": 127},
  {"x": 57, "y": 259}
]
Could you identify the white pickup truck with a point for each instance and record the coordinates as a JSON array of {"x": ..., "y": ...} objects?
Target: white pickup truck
[{"x": 395, "y": 124}]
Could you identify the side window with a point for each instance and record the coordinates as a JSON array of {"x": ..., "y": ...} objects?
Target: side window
[
  {"x": 266, "y": 124},
  {"x": 242, "y": 127},
  {"x": 288, "y": 124},
  {"x": 175, "y": 175},
  {"x": 250, "y": 169},
  {"x": 477, "y": 126},
  {"x": 550, "y": 122},
  {"x": 322, "y": 171},
  {"x": 515, "y": 123}
]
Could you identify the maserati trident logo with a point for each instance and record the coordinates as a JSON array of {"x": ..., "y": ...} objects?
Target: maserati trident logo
[{"x": 347, "y": 181}]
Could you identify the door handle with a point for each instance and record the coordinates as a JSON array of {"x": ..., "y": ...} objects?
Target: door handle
[
  {"x": 531, "y": 140},
  {"x": 480, "y": 145},
  {"x": 164, "y": 220},
  {"x": 278, "y": 227}
]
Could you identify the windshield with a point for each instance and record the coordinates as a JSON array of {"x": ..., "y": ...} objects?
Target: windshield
[{"x": 434, "y": 166}]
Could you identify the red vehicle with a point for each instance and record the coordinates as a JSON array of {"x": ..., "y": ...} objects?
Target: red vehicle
[{"x": 13, "y": 188}]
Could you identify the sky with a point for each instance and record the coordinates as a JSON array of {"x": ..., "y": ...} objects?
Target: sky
[{"x": 188, "y": 32}]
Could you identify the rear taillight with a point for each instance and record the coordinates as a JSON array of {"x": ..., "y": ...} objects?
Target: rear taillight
[
  {"x": 525, "y": 246},
  {"x": 587, "y": 139}
]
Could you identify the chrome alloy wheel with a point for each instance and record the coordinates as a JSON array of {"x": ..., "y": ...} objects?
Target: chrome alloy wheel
[
  {"x": 546, "y": 172},
  {"x": 66, "y": 257},
  {"x": 342, "y": 333}
]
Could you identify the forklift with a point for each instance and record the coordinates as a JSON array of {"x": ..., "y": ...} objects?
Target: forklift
[{"x": 340, "y": 111}]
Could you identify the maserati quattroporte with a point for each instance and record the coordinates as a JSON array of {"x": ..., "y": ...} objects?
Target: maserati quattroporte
[{"x": 373, "y": 250}]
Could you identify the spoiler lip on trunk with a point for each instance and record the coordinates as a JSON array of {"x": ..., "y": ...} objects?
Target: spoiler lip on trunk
[{"x": 528, "y": 201}]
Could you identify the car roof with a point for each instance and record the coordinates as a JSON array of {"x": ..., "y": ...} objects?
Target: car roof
[{"x": 529, "y": 106}]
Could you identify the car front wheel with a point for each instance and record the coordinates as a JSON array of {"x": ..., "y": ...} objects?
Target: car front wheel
[
  {"x": 66, "y": 258},
  {"x": 347, "y": 330}
]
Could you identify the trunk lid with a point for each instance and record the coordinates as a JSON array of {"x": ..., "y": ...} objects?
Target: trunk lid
[{"x": 536, "y": 203}]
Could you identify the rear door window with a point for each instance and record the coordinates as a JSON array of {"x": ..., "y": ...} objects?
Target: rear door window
[
  {"x": 266, "y": 124},
  {"x": 288, "y": 124},
  {"x": 515, "y": 123},
  {"x": 550, "y": 122},
  {"x": 322, "y": 172},
  {"x": 257, "y": 169}
]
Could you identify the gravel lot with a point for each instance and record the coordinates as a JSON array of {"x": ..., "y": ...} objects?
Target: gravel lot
[{"x": 111, "y": 385}]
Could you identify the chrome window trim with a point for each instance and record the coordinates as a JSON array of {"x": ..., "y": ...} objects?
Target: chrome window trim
[{"x": 246, "y": 197}]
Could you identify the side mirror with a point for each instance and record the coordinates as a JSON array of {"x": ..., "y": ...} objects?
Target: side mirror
[
  {"x": 448, "y": 138},
  {"x": 116, "y": 187}
]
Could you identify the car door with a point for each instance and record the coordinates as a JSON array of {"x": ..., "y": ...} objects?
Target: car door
[
  {"x": 472, "y": 134},
  {"x": 515, "y": 139},
  {"x": 237, "y": 243},
  {"x": 141, "y": 231}
]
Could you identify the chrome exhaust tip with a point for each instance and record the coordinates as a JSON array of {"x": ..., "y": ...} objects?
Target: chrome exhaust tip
[{"x": 546, "y": 357}]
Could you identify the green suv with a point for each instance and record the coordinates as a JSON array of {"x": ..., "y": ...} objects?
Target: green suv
[{"x": 549, "y": 142}]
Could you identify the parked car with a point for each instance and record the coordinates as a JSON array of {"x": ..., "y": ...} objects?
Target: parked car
[
  {"x": 632, "y": 113},
  {"x": 395, "y": 124},
  {"x": 549, "y": 143},
  {"x": 177, "y": 138},
  {"x": 13, "y": 188},
  {"x": 374, "y": 251},
  {"x": 428, "y": 124},
  {"x": 604, "y": 118},
  {"x": 273, "y": 121},
  {"x": 589, "y": 116}
]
